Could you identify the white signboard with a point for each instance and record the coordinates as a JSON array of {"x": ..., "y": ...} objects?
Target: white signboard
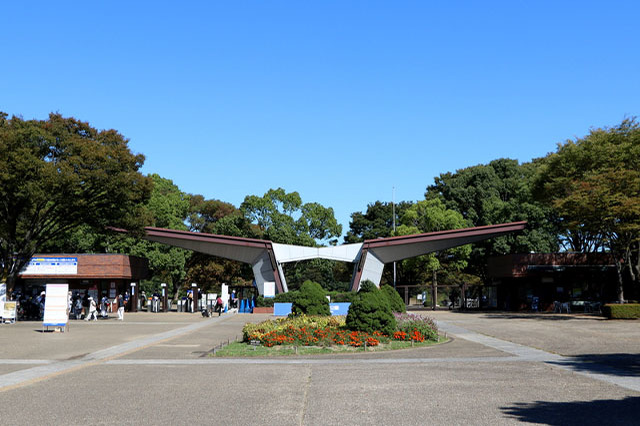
[
  {"x": 224, "y": 289},
  {"x": 269, "y": 289},
  {"x": 3, "y": 297},
  {"x": 9, "y": 311},
  {"x": 55, "y": 305},
  {"x": 51, "y": 266}
]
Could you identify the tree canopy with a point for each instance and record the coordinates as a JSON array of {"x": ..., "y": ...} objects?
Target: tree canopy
[
  {"x": 498, "y": 192},
  {"x": 593, "y": 183},
  {"x": 432, "y": 216},
  {"x": 282, "y": 218},
  {"x": 168, "y": 207},
  {"x": 59, "y": 174}
]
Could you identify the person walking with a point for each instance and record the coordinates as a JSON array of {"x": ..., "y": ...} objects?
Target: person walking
[
  {"x": 93, "y": 310},
  {"x": 120, "y": 305},
  {"x": 219, "y": 305}
]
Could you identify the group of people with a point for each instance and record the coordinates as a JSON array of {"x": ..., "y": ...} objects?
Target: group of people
[{"x": 87, "y": 307}]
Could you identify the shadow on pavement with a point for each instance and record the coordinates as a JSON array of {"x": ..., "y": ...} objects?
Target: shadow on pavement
[
  {"x": 543, "y": 316},
  {"x": 612, "y": 364},
  {"x": 598, "y": 412}
]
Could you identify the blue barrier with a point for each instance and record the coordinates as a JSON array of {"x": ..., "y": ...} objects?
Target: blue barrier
[
  {"x": 339, "y": 308},
  {"x": 284, "y": 309}
]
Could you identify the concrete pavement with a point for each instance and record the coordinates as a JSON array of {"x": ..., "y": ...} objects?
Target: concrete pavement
[{"x": 156, "y": 368}]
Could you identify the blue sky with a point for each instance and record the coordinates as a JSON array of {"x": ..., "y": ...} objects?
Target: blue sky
[{"x": 338, "y": 100}]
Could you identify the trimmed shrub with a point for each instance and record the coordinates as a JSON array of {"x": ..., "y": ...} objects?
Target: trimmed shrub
[
  {"x": 311, "y": 300},
  {"x": 367, "y": 286},
  {"x": 395, "y": 301},
  {"x": 264, "y": 302},
  {"x": 340, "y": 297},
  {"x": 618, "y": 311},
  {"x": 287, "y": 297},
  {"x": 371, "y": 312}
]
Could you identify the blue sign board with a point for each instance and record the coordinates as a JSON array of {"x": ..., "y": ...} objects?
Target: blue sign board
[{"x": 284, "y": 309}]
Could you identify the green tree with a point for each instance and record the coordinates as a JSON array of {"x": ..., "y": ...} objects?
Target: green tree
[
  {"x": 498, "y": 192},
  {"x": 220, "y": 218},
  {"x": 593, "y": 183},
  {"x": 282, "y": 218},
  {"x": 169, "y": 207},
  {"x": 376, "y": 222},
  {"x": 58, "y": 175},
  {"x": 432, "y": 216}
]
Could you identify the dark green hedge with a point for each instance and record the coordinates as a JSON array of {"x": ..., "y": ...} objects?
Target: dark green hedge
[
  {"x": 287, "y": 297},
  {"x": 625, "y": 311},
  {"x": 395, "y": 301},
  {"x": 370, "y": 312},
  {"x": 311, "y": 300},
  {"x": 264, "y": 302}
]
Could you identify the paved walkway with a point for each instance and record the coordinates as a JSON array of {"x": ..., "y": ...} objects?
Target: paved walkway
[{"x": 157, "y": 368}]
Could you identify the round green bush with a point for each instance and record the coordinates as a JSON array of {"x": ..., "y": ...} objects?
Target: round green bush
[
  {"x": 367, "y": 286},
  {"x": 311, "y": 300},
  {"x": 396, "y": 302},
  {"x": 287, "y": 297},
  {"x": 370, "y": 312}
]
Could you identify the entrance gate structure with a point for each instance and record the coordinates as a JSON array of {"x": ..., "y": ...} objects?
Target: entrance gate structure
[{"x": 266, "y": 258}]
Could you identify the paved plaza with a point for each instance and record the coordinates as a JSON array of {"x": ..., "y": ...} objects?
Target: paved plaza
[{"x": 499, "y": 368}]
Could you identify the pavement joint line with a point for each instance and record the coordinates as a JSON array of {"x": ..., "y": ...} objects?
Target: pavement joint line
[
  {"x": 23, "y": 377},
  {"x": 312, "y": 361},
  {"x": 607, "y": 374},
  {"x": 25, "y": 361}
]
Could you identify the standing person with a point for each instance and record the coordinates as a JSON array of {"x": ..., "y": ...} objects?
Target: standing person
[
  {"x": 234, "y": 299},
  {"x": 219, "y": 305},
  {"x": 190, "y": 301},
  {"x": 120, "y": 305},
  {"x": 93, "y": 311},
  {"x": 103, "y": 306}
]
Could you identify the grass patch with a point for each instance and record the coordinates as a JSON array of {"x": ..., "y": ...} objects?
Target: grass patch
[{"x": 242, "y": 349}]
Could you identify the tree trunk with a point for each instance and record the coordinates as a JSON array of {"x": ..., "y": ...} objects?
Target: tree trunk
[
  {"x": 11, "y": 282},
  {"x": 434, "y": 290},
  {"x": 620, "y": 287}
]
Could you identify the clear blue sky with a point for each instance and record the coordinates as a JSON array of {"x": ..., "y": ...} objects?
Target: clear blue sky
[{"x": 338, "y": 100}]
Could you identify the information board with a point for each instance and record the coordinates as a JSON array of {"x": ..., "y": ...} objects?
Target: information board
[
  {"x": 56, "y": 305},
  {"x": 3, "y": 297},
  {"x": 51, "y": 266},
  {"x": 9, "y": 311},
  {"x": 269, "y": 289}
]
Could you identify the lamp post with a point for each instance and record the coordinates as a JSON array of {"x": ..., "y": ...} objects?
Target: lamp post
[
  {"x": 194, "y": 294},
  {"x": 165, "y": 301},
  {"x": 134, "y": 298}
]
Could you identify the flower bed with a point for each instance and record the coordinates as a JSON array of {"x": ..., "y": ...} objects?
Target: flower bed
[{"x": 331, "y": 331}]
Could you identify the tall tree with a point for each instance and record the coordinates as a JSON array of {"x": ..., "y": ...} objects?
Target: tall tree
[
  {"x": 57, "y": 175},
  {"x": 221, "y": 218},
  {"x": 282, "y": 218},
  {"x": 376, "y": 222},
  {"x": 498, "y": 192},
  {"x": 169, "y": 207},
  {"x": 432, "y": 216},
  {"x": 594, "y": 185}
]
